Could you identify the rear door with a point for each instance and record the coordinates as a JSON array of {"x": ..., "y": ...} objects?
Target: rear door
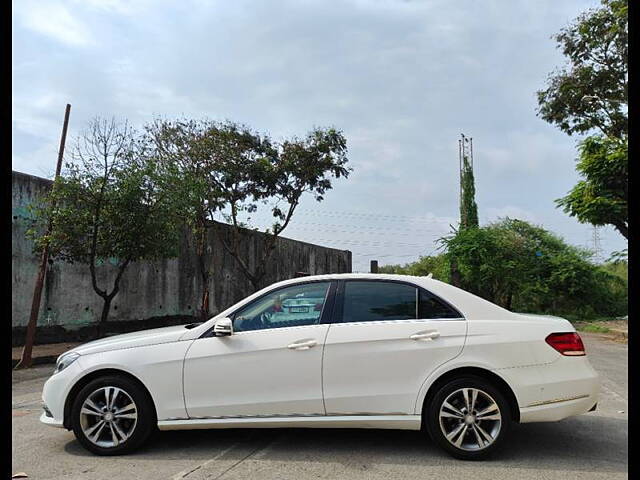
[{"x": 385, "y": 339}]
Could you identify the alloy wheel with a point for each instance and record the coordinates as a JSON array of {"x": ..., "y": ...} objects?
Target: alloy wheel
[
  {"x": 108, "y": 417},
  {"x": 470, "y": 419}
]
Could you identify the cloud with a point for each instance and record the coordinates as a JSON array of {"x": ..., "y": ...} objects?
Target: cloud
[
  {"x": 401, "y": 79},
  {"x": 54, "y": 20}
]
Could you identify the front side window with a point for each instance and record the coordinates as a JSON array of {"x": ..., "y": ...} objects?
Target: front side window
[
  {"x": 287, "y": 307},
  {"x": 378, "y": 301}
]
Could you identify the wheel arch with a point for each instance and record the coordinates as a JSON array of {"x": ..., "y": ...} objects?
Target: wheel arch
[
  {"x": 103, "y": 372},
  {"x": 488, "y": 375}
]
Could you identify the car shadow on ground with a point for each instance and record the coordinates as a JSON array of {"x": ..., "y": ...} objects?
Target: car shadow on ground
[{"x": 585, "y": 443}]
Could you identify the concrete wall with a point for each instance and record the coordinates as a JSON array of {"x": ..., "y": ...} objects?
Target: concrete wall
[{"x": 151, "y": 293}]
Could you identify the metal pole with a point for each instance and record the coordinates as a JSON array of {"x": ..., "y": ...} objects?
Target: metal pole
[
  {"x": 374, "y": 266},
  {"x": 460, "y": 168},
  {"x": 26, "y": 360}
]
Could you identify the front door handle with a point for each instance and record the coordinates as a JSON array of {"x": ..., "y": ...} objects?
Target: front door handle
[
  {"x": 302, "y": 345},
  {"x": 425, "y": 335}
]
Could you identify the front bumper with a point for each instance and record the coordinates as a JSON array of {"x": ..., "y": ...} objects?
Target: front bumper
[
  {"x": 52, "y": 422},
  {"x": 55, "y": 391}
]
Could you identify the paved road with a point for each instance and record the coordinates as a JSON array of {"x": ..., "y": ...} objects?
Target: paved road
[{"x": 591, "y": 446}]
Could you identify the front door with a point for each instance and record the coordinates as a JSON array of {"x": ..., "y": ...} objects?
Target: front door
[
  {"x": 388, "y": 337},
  {"x": 270, "y": 365}
]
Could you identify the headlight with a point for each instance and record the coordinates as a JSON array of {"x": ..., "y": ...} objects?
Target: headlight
[{"x": 65, "y": 360}]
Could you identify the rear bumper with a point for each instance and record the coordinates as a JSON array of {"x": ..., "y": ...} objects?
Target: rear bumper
[
  {"x": 553, "y": 391},
  {"x": 558, "y": 410}
]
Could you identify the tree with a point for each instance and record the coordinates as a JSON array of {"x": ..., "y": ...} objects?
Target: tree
[
  {"x": 279, "y": 178},
  {"x": 113, "y": 204},
  {"x": 601, "y": 198},
  {"x": 521, "y": 266},
  {"x": 468, "y": 206},
  {"x": 233, "y": 169},
  {"x": 197, "y": 148},
  {"x": 591, "y": 91},
  {"x": 438, "y": 265},
  {"x": 468, "y": 213}
]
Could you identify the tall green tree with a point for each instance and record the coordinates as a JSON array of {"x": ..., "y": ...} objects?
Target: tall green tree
[
  {"x": 601, "y": 197},
  {"x": 235, "y": 170},
  {"x": 590, "y": 94},
  {"x": 591, "y": 91},
  {"x": 468, "y": 206},
  {"x": 291, "y": 169},
  {"x": 112, "y": 205},
  {"x": 468, "y": 213},
  {"x": 219, "y": 163}
]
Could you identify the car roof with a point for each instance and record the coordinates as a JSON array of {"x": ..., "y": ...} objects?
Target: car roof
[{"x": 470, "y": 305}]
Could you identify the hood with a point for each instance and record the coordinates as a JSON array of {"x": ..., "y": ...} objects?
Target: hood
[{"x": 132, "y": 340}]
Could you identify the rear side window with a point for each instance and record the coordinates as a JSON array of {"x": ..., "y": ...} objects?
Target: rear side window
[
  {"x": 378, "y": 301},
  {"x": 432, "y": 307}
]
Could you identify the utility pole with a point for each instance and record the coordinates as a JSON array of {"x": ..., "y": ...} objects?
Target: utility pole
[
  {"x": 468, "y": 207},
  {"x": 26, "y": 360},
  {"x": 596, "y": 245}
]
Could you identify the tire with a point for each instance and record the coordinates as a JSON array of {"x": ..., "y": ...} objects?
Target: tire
[
  {"x": 471, "y": 437},
  {"x": 119, "y": 433}
]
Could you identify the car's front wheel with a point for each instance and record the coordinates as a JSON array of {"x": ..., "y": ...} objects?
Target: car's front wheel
[
  {"x": 468, "y": 417},
  {"x": 112, "y": 415}
]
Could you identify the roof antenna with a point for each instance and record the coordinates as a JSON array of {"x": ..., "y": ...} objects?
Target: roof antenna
[{"x": 430, "y": 275}]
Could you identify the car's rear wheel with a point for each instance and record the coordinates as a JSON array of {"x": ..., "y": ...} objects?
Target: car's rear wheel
[
  {"x": 468, "y": 417},
  {"x": 112, "y": 415}
]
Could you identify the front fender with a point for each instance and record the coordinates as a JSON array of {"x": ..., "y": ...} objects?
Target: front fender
[{"x": 158, "y": 367}]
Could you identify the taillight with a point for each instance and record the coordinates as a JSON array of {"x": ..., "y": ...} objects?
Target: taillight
[{"x": 569, "y": 344}]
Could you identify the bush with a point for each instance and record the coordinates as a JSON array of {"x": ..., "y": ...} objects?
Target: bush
[{"x": 523, "y": 267}]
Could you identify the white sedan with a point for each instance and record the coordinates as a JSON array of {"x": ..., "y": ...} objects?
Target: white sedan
[{"x": 330, "y": 351}]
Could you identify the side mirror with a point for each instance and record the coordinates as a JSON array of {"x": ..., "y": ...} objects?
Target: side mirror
[{"x": 223, "y": 327}]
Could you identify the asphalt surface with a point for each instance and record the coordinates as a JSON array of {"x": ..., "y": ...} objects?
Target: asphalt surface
[{"x": 590, "y": 446}]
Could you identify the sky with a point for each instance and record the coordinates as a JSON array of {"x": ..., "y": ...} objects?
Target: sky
[{"x": 401, "y": 79}]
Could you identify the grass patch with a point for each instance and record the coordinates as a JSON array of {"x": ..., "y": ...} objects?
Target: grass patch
[{"x": 592, "y": 328}]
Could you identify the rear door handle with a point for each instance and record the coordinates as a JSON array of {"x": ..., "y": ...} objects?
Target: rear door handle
[
  {"x": 302, "y": 345},
  {"x": 425, "y": 335}
]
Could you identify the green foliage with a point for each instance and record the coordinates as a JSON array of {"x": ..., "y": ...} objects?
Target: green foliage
[
  {"x": 468, "y": 207},
  {"x": 619, "y": 257},
  {"x": 124, "y": 217},
  {"x": 232, "y": 170},
  {"x": 592, "y": 328},
  {"x": 123, "y": 211},
  {"x": 601, "y": 198},
  {"x": 524, "y": 267},
  {"x": 591, "y": 91},
  {"x": 113, "y": 202},
  {"x": 436, "y": 265},
  {"x": 292, "y": 168},
  {"x": 217, "y": 163}
]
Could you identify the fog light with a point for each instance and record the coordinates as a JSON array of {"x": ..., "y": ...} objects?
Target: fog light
[{"x": 47, "y": 412}]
